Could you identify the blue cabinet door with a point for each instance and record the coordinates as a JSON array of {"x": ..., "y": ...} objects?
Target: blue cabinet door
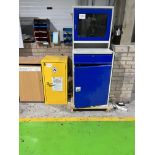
[{"x": 91, "y": 85}]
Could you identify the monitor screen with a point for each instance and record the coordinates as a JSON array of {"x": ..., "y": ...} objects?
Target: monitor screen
[{"x": 92, "y": 25}]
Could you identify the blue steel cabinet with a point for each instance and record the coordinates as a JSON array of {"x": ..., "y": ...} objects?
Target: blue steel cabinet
[{"x": 92, "y": 66}]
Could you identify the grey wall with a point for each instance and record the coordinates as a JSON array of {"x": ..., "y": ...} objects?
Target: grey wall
[
  {"x": 60, "y": 15},
  {"x": 104, "y": 2},
  {"x": 128, "y": 22}
]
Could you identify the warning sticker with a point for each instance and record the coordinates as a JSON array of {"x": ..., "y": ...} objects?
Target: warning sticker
[
  {"x": 57, "y": 84},
  {"x": 48, "y": 65},
  {"x": 82, "y": 16},
  {"x": 54, "y": 69}
]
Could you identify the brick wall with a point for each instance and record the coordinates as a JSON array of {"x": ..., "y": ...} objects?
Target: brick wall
[
  {"x": 33, "y": 49},
  {"x": 123, "y": 77}
]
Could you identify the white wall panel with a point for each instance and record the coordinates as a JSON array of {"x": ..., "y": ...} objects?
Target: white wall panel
[{"x": 20, "y": 38}]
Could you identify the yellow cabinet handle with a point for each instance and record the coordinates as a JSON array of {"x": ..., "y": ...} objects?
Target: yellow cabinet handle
[{"x": 50, "y": 84}]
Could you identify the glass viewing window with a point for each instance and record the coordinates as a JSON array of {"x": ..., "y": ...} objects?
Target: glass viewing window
[{"x": 92, "y": 25}]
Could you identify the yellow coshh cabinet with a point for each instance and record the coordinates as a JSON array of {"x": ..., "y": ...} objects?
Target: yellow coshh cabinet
[{"x": 55, "y": 79}]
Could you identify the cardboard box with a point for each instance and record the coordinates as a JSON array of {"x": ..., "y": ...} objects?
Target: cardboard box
[
  {"x": 30, "y": 79},
  {"x": 30, "y": 84}
]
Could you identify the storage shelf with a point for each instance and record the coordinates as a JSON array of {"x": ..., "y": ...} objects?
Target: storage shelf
[
  {"x": 42, "y": 30},
  {"x": 41, "y": 37},
  {"x": 40, "y": 26}
]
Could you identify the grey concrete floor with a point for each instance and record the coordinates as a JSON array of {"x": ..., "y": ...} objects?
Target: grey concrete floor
[{"x": 35, "y": 110}]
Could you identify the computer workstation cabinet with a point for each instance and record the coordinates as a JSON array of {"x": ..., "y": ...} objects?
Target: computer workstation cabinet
[{"x": 92, "y": 58}]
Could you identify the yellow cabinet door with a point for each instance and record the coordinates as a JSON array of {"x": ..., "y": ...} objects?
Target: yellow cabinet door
[{"x": 55, "y": 85}]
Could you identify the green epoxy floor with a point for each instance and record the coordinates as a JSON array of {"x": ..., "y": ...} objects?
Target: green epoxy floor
[{"x": 77, "y": 138}]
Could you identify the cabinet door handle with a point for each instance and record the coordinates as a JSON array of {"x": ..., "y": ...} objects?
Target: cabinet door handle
[
  {"x": 50, "y": 84},
  {"x": 77, "y": 89}
]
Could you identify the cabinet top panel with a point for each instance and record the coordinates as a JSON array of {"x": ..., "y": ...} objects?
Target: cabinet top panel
[{"x": 92, "y": 51}]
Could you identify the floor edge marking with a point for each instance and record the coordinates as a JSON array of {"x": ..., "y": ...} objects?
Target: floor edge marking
[{"x": 76, "y": 119}]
